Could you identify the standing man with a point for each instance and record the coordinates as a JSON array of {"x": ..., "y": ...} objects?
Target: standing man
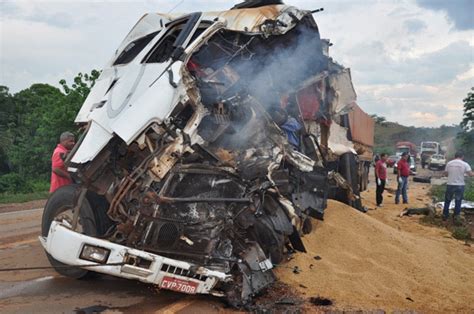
[
  {"x": 380, "y": 178},
  {"x": 455, "y": 169},
  {"x": 59, "y": 174},
  {"x": 402, "y": 178}
]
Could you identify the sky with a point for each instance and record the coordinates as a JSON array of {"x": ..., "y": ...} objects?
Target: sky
[{"x": 412, "y": 61}]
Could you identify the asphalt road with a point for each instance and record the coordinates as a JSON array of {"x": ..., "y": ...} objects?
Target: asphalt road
[{"x": 45, "y": 291}]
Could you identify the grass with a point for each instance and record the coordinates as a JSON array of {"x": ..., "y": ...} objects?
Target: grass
[
  {"x": 22, "y": 197},
  {"x": 461, "y": 232},
  {"x": 437, "y": 191}
]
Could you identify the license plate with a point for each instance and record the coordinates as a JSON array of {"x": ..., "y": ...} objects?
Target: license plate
[{"x": 179, "y": 285}]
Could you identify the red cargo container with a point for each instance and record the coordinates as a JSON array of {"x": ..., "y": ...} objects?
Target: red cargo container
[{"x": 362, "y": 126}]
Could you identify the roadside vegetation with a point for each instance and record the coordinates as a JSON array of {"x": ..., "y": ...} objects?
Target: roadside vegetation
[
  {"x": 437, "y": 191},
  {"x": 31, "y": 121},
  {"x": 465, "y": 229},
  {"x": 462, "y": 231},
  {"x": 7, "y": 198}
]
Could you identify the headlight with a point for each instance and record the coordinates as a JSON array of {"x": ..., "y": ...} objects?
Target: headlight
[{"x": 94, "y": 254}]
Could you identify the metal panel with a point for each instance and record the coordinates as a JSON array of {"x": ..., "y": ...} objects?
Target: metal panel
[{"x": 362, "y": 126}]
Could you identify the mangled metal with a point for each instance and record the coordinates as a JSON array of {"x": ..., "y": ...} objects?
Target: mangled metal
[{"x": 193, "y": 174}]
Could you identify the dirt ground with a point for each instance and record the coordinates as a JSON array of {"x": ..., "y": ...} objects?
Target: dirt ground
[{"x": 379, "y": 260}]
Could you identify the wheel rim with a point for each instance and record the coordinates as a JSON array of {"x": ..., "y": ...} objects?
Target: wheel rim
[{"x": 67, "y": 213}]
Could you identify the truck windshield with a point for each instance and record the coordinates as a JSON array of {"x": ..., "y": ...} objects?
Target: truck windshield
[
  {"x": 177, "y": 36},
  {"x": 429, "y": 145},
  {"x": 134, "y": 48}
]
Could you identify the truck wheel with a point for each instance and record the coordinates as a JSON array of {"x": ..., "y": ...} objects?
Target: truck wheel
[
  {"x": 362, "y": 177},
  {"x": 348, "y": 169},
  {"x": 366, "y": 177},
  {"x": 60, "y": 207}
]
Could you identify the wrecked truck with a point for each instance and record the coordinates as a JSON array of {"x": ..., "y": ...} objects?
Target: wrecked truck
[{"x": 183, "y": 177}]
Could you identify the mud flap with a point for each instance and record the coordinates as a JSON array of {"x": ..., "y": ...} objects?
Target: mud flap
[
  {"x": 296, "y": 241},
  {"x": 256, "y": 272},
  {"x": 312, "y": 193}
]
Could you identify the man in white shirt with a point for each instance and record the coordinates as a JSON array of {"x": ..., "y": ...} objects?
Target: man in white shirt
[{"x": 455, "y": 169}]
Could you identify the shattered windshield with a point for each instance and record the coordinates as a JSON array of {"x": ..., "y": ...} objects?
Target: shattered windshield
[{"x": 134, "y": 48}]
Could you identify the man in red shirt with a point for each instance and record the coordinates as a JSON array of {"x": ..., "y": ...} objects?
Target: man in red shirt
[
  {"x": 380, "y": 178},
  {"x": 402, "y": 178},
  {"x": 59, "y": 174}
]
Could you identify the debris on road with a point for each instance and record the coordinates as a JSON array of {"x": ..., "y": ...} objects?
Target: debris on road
[
  {"x": 319, "y": 301},
  {"x": 418, "y": 211},
  {"x": 422, "y": 179},
  {"x": 296, "y": 270},
  {"x": 464, "y": 205}
]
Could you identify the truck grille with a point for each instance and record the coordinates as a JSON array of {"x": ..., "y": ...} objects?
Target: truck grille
[{"x": 181, "y": 272}]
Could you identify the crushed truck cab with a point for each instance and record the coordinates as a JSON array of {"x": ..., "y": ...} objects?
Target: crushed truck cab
[{"x": 185, "y": 175}]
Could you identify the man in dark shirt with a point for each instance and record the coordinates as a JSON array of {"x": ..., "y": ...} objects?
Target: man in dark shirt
[
  {"x": 402, "y": 178},
  {"x": 380, "y": 178},
  {"x": 289, "y": 125}
]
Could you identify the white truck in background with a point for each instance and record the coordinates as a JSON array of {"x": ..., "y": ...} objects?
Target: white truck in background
[{"x": 428, "y": 149}]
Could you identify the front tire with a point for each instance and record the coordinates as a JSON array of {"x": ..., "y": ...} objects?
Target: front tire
[{"x": 60, "y": 206}]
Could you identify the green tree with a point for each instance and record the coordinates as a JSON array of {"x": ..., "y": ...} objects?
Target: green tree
[
  {"x": 34, "y": 109},
  {"x": 33, "y": 119},
  {"x": 6, "y": 109},
  {"x": 466, "y": 136},
  {"x": 379, "y": 119},
  {"x": 468, "y": 118}
]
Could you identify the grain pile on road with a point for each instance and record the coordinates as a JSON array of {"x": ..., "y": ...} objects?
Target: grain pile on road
[{"x": 360, "y": 262}]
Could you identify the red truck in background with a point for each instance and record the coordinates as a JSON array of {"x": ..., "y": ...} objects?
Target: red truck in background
[{"x": 408, "y": 147}]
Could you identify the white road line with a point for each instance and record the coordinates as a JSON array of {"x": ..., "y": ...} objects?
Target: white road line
[
  {"x": 177, "y": 306},
  {"x": 12, "y": 213}
]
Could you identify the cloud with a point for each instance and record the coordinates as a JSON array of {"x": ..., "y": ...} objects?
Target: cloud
[
  {"x": 425, "y": 117},
  {"x": 459, "y": 11},
  {"x": 403, "y": 103},
  {"x": 372, "y": 64},
  {"x": 405, "y": 57},
  {"x": 414, "y": 25}
]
